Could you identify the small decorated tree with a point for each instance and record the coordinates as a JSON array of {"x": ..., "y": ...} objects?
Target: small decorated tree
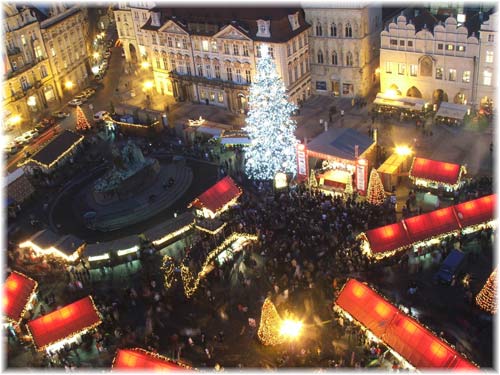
[
  {"x": 348, "y": 187},
  {"x": 313, "y": 183},
  {"x": 270, "y": 322},
  {"x": 81, "y": 120},
  {"x": 376, "y": 192},
  {"x": 487, "y": 297}
]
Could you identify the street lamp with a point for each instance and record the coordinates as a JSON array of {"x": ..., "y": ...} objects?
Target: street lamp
[
  {"x": 291, "y": 329},
  {"x": 145, "y": 65},
  {"x": 148, "y": 85},
  {"x": 403, "y": 150},
  {"x": 68, "y": 85}
]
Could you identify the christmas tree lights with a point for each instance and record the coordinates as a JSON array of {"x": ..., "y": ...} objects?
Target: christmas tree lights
[
  {"x": 270, "y": 128},
  {"x": 81, "y": 120},
  {"x": 348, "y": 186},
  {"x": 270, "y": 325},
  {"x": 376, "y": 192},
  {"x": 487, "y": 297}
]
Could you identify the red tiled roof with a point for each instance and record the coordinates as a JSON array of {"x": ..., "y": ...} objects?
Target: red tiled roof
[
  {"x": 64, "y": 323},
  {"x": 218, "y": 195},
  {"x": 18, "y": 289},
  {"x": 139, "y": 359},
  {"x": 420, "y": 347},
  {"x": 427, "y": 169}
]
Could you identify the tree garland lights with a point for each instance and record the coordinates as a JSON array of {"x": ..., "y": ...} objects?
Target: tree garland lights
[
  {"x": 487, "y": 297},
  {"x": 81, "y": 120},
  {"x": 270, "y": 323},
  {"x": 376, "y": 191},
  {"x": 269, "y": 126}
]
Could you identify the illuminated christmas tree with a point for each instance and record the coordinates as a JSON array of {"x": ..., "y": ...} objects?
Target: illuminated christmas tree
[
  {"x": 81, "y": 120},
  {"x": 270, "y": 324},
  {"x": 313, "y": 183},
  {"x": 348, "y": 187},
  {"x": 376, "y": 192},
  {"x": 269, "y": 124},
  {"x": 487, "y": 297}
]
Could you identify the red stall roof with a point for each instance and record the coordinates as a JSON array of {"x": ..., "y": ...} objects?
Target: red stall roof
[
  {"x": 18, "y": 289},
  {"x": 427, "y": 169},
  {"x": 218, "y": 195},
  {"x": 420, "y": 347},
  {"x": 140, "y": 359},
  {"x": 64, "y": 323},
  {"x": 426, "y": 226},
  {"x": 476, "y": 211},
  {"x": 387, "y": 238}
]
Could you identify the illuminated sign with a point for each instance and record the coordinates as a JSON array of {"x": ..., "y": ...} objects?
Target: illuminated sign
[
  {"x": 301, "y": 162},
  {"x": 361, "y": 176},
  {"x": 280, "y": 181}
]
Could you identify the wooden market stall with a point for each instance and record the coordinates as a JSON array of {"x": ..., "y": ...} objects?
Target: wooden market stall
[
  {"x": 405, "y": 336},
  {"x": 451, "y": 113},
  {"x": 435, "y": 175},
  {"x": 392, "y": 170},
  {"x": 19, "y": 189},
  {"x": 138, "y": 359},
  {"x": 63, "y": 326},
  {"x": 217, "y": 198},
  {"x": 19, "y": 293}
]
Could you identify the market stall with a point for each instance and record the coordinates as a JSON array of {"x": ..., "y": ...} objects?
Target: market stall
[
  {"x": 19, "y": 188},
  {"x": 217, "y": 199},
  {"x": 19, "y": 295},
  {"x": 435, "y": 175},
  {"x": 335, "y": 156},
  {"x": 47, "y": 243},
  {"x": 392, "y": 170},
  {"x": 66, "y": 325},
  {"x": 411, "y": 342},
  {"x": 451, "y": 113},
  {"x": 139, "y": 359},
  {"x": 100, "y": 253},
  {"x": 234, "y": 138},
  {"x": 171, "y": 229},
  {"x": 409, "y": 107},
  {"x": 467, "y": 217}
]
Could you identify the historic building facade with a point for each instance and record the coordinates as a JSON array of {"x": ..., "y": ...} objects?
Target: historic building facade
[
  {"x": 344, "y": 42},
  {"x": 210, "y": 56},
  {"x": 28, "y": 85},
  {"x": 435, "y": 64},
  {"x": 486, "y": 75}
]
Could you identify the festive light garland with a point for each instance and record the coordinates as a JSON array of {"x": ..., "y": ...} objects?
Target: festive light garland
[
  {"x": 52, "y": 251},
  {"x": 487, "y": 297},
  {"x": 28, "y": 303},
  {"x": 376, "y": 192},
  {"x": 269, "y": 327},
  {"x": 169, "y": 236},
  {"x": 110, "y": 119},
  {"x": 69, "y": 338},
  {"x": 213, "y": 232},
  {"x": 128, "y": 251},
  {"x": 98, "y": 257},
  {"x": 81, "y": 120},
  {"x": 455, "y": 186},
  {"x": 156, "y": 356},
  {"x": 208, "y": 213},
  {"x": 189, "y": 280}
]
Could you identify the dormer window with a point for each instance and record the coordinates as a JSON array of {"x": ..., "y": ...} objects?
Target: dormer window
[
  {"x": 263, "y": 28},
  {"x": 294, "y": 20}
]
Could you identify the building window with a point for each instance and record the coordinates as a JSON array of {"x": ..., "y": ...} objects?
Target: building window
[
  {"x": 169, "y": 41},
  {"x": 188, "y": 69},
  {"x": 410, "y": 43},
  {"x": 43, "y": 71},
  {"x": 208, "y": 69},
  {"x": 245, "y": 50},
  {"x": 333, "y": 30},
  {"x": 489, "y": 56},
  {"x": 204, "y": 45},
  {"x": 257, "y": 50},
  {"x": 203, "y": 94},
  {"x": 158, "y": 64},
  {"x": 296, "y": 72},
  {"x": 450, "y": 47},
  {"x": 487, "y": 76},
  {"x": 440, "y": 46},
  {"x": 290, "y": 76},
  {"x": 196, "y": 45},
  {"x": 348, "y": 60},
  {"x": 248, "y": 76},
  {"x": 226, "y": 49},
  {"x": 388, "y": 67},
  {"x": 217, "y": 71},
  {"x": 184, "y": 43},
  {"x": 402, "y": 43},
  {"x": 394, "y": 42},
  {"x": 300, "y": 43},
  {"x": 270, "y": 50},
  {"x": 452, "y": 75},
  {"x": 439, "y": 73},
  {"x": 52, "y": 51},
  {"x": 319, "y": 30},
  {"x": 214, "y": 46},
  {"x": 491, "y": 38},
  {"x": 238, "y": 76},
  {"x": 461, "y": 48},
  {"x": 199, "y": 70},
  {"x": 334, "y": 58},
  {"x": 212, "y": 96},
  {"x": 24, "y": 83},
  {"x": 320, "y": 57},
  {"x": 23, "y": 40},
  {"x": 236, "y": 49},
  {"x": 348, "y": 31},
  {"x": 302, "y": 67},
  {"x": 220, "y": 97},
  {"x": 347, "y": 88},
  {"x": 229, "y": 72},
  {"x": 288, "y": 50},
  {"x": 401, "y": 69},
  {"x": 165, "y": 65},
  {"x": 172, "y": 66},
  {"x": 413, "y": 70},
  {"x": 466, "y": 76},
  {"x": 426, "y": 65}
]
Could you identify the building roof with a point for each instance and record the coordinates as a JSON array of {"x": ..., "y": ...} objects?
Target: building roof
[
  {"x": 388, "y": 238},
  {"x": 140, "y": 359},
  {"x": 476, "y": 211},
  {"x": 160, "y": 231},
  {"x": 245, "y": 19},
  {"x": 434, "y": 223},
  {"x": 437, "y": 171},
  {"x": 64, "y": 323},
  {"x": 56, "y": 148},
  {"x": 416, "y": 344},
  {"x": 218, "y": 195},
  {"x": 340, "y": 143},
  {"x": 18, "y": 289},
  {"x": 51, "y": 21},
  {"x": 46, "y": 239}
]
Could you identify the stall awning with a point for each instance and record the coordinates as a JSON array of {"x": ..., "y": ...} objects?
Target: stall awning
[
  {"x": 47, "y": 242},
  {"x": 388, "y": 238},
  {"x": 403, "y": 102},
  {"x": 140, "y": 359},
  {"x": 424, "y": 227},
  {"x": 64, "y": 323},
  {"x": 163, "y": 231},
  {"x": 452, "y": 110},
  {"x": 417, "y": 345},
  {"x": 218, "y": 195},
  {"x": 436, "y": 171},
  {"x": 18, "y": 289},
  {"x": 476, "y": 211}
]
